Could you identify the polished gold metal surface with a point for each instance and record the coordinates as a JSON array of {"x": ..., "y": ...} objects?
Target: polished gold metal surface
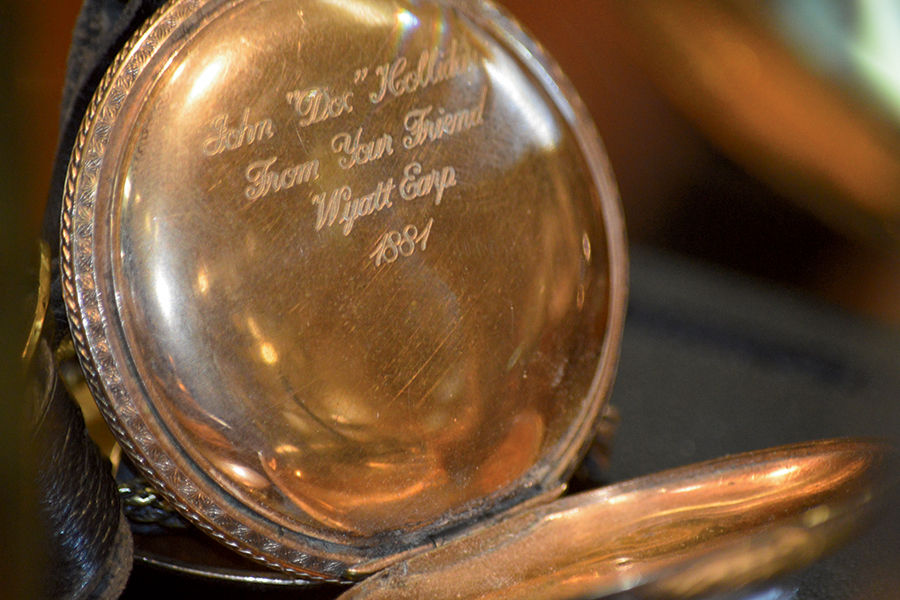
[
  {"x": 711, "y": 527},
  {"x": 41, "y": 302},
  {"x": 344, "y": 275}
]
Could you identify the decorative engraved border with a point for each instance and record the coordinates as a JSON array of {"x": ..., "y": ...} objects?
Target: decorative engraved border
[{"x": 89, "y": 325}]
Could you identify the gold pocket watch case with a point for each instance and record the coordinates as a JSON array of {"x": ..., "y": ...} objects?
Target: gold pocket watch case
[
  {"x": 345, "y": 276},
  {"x": 347, "y": 279}
]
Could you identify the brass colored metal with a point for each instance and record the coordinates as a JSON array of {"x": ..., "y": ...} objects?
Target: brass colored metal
[
  {"x": 344, "y": 275},
  {"x": 41, "y": 303},
  {"x": 706, "y": 528}
]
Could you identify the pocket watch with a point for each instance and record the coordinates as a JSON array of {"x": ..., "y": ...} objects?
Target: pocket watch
[{"x": 347, "y": 278}]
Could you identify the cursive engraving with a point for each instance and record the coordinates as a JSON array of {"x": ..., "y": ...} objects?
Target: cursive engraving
[
  {"x": 339, "y": 207},
  {"x": 433, "y": 66},
  {"x": 415, "y": 184},
  {"x": 315, "y": 105},
  {"x": 421, "y": 129},
  {"x": 360, "y": 152},
  {"x": 263, "y": 179},
  {"x": 231, "y": 138},
  {"x": 395, "y": 244}
]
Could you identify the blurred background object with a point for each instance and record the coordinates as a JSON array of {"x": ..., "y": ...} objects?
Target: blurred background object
[{"x": 796, "y": 92}]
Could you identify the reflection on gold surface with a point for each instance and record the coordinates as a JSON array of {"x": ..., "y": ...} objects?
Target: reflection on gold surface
[
  {"x": 696, "y": 530},
  {"x": 202, "y": 282},
  {"x": 370, "y": 336},
  {"x": 268, "y": 352},
  {"x": 369, "y": 13},
  {"x": 512, "y": 89},
  {"x": 246, "y": 477},
  {"x": 208, "y": 77}
]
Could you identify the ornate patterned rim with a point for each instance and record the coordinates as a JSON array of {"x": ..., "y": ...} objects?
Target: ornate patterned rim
[{"x": 193, "y": 494}]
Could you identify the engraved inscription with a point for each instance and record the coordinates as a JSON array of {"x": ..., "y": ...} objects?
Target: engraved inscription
[
  {"x": 433, "y": 66},
  {"x": 395, "y": 244},
  {"x": 360, "y": 75},
  {"x": 359, "y": 152},
  {"x": 425, "y": 125},
  {"x": 226, "y": 138},
  {"x": 339, "y": 207},
  {"x": 416, "y": 184},
  {"x": 315, "y": 105},
  {"x": 263, "y": 179}
]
